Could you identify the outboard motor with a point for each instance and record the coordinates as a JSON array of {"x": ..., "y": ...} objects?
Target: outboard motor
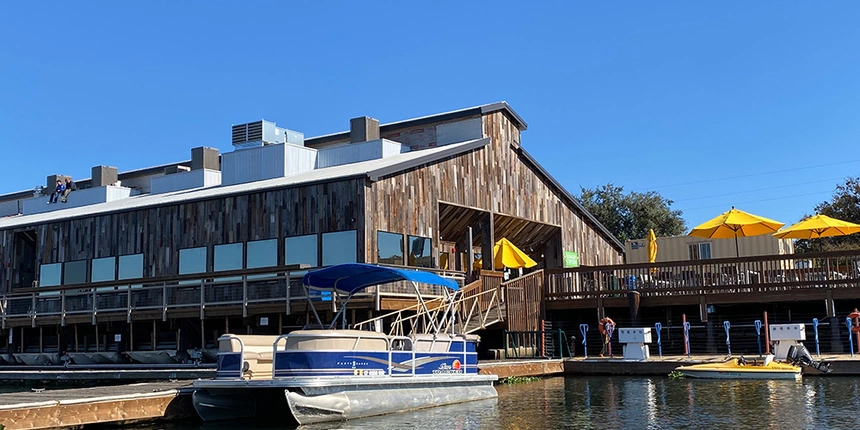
[{"x": 798, "y": 355}]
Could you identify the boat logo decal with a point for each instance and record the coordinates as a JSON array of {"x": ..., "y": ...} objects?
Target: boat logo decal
[
  {"x": 406, "y": 366},
  {"x": 454, "y": 367}
]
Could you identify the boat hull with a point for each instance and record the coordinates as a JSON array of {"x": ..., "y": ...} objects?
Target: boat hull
[
  {"x": 224, "y": 405},
  {"x": 732, "y": 370},
  {"x": 346, "y": 405},
  {"x": 316, "y": 400}
]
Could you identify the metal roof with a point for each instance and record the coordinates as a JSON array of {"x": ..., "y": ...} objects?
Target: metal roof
[
  {"x": 372, "y": 169},
  {"x": 429, "y": 119}
]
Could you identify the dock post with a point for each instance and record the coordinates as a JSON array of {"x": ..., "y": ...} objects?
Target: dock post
[
  {"x": 757, "y": 324},
  {"x": 766, "y": 335},
  {"x": 686, "y": 334}
]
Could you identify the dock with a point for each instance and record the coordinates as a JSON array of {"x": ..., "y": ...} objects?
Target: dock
[
  {"x": 121, "y": 404},
  {"x": 96, "y": 373}
]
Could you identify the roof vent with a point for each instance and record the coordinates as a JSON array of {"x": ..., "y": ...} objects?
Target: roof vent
[{"x": 261, "y": 133}]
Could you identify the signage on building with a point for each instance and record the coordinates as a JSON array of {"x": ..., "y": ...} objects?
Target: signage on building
[{"x": 571, "y": 259}]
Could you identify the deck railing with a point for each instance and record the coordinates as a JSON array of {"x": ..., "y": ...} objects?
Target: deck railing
[
  {"x": 272, "y": 286},
  {"x": 696, "y": 277}
]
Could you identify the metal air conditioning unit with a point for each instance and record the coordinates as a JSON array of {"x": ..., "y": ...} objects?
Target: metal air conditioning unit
[{"x": 261, "y": 133}]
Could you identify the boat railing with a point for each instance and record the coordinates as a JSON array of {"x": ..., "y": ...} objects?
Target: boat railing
[
  {"x": 231, "y": 364},
  {"x": 392, "y": 350}
]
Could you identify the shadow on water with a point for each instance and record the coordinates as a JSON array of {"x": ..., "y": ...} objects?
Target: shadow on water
[{"x": 626, "y": 403}]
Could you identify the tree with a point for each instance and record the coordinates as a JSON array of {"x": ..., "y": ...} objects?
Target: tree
[
  {"x": 630, "y": 216},
  {"x": 844, "y": 205}
]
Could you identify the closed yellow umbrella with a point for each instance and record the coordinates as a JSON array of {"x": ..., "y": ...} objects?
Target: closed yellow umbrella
[
  {"x": 652, "y": 248},
  {"x": 736, "y": 223},
  {"x": 818, "y": 226}
]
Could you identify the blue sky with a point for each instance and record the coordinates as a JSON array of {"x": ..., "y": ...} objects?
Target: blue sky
[{"x": 711, "y": 105}]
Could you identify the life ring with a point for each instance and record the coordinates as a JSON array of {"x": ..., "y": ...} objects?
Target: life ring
[
  {"x": 603, "y": 322},
  {"x": 854, "y": 315}
]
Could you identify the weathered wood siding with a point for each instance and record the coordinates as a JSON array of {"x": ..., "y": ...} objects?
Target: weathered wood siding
[
  {"x": 493, "y": 178},
  {"x": 160, "y": 232}
]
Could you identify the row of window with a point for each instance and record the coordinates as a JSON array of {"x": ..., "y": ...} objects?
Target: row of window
[{"x": 337, "y": 247}]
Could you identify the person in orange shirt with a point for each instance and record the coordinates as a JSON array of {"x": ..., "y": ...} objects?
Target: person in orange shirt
[{"x": 604, "y": 322}]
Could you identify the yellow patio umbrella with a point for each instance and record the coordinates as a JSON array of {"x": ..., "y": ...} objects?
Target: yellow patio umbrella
[
  {"x": 652, "y": 248},
  {"x": 736, "y": 223},
  {"x": 506, "y": 254},
  {"x": 818, "y": 226}
]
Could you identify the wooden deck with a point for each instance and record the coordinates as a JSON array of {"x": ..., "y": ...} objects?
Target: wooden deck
[
  {"x": 776, "y": 278},
  {"x": 108, "y": 404}
]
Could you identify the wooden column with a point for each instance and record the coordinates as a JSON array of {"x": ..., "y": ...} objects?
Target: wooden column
[{"x": 487, "y": 242}]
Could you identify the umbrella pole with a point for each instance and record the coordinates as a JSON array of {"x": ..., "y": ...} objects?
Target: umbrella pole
[{"x": 737, "y": 250}]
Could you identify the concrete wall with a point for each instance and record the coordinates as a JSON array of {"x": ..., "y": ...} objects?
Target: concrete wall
[
  {"x": 88, "y": 196},
  {"x": 186, "y": 181}
]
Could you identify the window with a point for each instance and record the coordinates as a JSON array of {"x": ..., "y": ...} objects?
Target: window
[
  {"x": 301, "y": 250},
  {"x": 130, "y": 266},
  {"x": 103, "y": 269},
  {"x": 419, "y": 252},
  {"x": 263, "y": 253},
  {"x": 389, "y": 248},
  {"x": 50, "y": 274},
  {"x": 700, "y": 251},
  {"x": 192, "y": 260},
  {"x": 75, "y": 272},
  {"x": 227, "y": 257},
  {"x": 339, "y": 247}
]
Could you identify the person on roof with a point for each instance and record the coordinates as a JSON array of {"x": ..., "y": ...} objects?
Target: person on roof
[
  {"x": 70, "y": 186},
  {"x": 57, "y": 192}
]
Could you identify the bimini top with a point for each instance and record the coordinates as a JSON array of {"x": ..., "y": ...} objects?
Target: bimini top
[{"x": 353, "y": 277}]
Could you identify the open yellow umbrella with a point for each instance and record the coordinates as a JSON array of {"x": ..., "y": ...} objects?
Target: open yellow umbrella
[
  {"x": 818, "y": 226},
  {"x": 652, "y": 248},
  {"x": 736, "y": 223},
  {"x": 506, "y": 254}
]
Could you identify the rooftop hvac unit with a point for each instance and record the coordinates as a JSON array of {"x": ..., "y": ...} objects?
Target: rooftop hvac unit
[{"x": 259, "y": 133}]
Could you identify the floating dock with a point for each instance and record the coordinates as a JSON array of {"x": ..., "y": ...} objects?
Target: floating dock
[{"x": 121, "y": 404}]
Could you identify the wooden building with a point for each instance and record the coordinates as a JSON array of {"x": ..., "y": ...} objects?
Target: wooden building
[
  {"x": 681, "y": 248},
  {"x": 167, "y": 258}
]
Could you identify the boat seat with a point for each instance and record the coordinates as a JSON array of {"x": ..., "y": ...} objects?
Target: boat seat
[{"x": 258, "y": 352}]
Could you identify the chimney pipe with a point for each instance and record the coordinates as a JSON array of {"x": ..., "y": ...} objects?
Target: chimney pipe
[
  {"x": 103, "y": 176},
  {"x": 363, "y": 129},
  {"x": 205, "y": 158}
]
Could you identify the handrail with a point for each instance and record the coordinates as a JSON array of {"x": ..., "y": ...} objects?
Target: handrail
[
  {"x": 391, "y": 340},
  {"x": 241, "y": 355}
]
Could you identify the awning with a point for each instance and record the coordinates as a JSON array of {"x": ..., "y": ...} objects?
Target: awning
[{"x": 353, "y": 277}]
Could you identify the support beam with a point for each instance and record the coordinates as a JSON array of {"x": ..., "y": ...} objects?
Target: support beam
[{"x": 487, "y": 242}]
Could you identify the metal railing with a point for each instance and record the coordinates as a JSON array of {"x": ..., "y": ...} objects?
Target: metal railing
[{"x": 163, "y": 294}]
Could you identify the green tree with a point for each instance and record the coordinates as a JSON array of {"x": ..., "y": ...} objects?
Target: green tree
[
  {"x": 844, "y": 205},
  {"x": 630, "y": 216}
]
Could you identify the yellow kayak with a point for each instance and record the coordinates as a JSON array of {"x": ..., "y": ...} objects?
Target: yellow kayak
[{"x": 741, "y": 369}]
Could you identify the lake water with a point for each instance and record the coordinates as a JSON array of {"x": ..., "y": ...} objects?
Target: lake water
[{"x": 629, "y": 403}]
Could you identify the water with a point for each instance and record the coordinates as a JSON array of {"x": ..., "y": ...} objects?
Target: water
[{"x": 629, "y": 403}]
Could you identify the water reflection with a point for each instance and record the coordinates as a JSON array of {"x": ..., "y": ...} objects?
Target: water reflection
[{"x": 631, "y": 403}]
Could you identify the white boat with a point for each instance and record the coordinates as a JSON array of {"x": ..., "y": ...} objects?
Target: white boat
[{"x": 335, "y": 374}]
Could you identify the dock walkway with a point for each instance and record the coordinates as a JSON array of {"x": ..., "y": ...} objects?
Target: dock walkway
[{"x": 41, "y": 409}]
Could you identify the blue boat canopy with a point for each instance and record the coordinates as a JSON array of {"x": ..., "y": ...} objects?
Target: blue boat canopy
[{"x": 352, "y": 277}]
